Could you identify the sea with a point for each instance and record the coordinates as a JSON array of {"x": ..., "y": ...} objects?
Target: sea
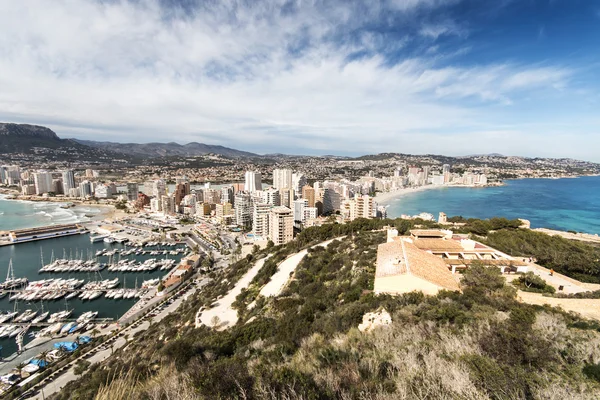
[
  {"x": 561, "y": 204},
  {"x": 30, "y": 214}
]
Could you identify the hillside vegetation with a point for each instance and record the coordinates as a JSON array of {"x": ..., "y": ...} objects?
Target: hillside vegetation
[{"x": 478, "y": 344}]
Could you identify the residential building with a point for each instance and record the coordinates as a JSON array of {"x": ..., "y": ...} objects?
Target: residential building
[
  {"x": 227, "y": 194},
  {"x": 362, "y": 206},
  {"x": 260, "y": 219},
  {"x": 86, "y": 189},
  {"x": 298, "y": 182},
  {"x": 223, "y": 212},
  {"x": 271, "y": 196},
  {"x": 132, "y": 191},
  {"x": 243, "y": 209},
  {"x": 168, "y": 204},
  {"x": 159, "y": 188},
  {"x": 68, "y": 178},
  {"x": 286, "y": 197},
  {"x": 43, "y": 182},
  {"x": 253, "y": 181},
  {"x": 308, "y": 193},
  {"x": 281, "y": 225},
  {"x": 282, "y": 178}
]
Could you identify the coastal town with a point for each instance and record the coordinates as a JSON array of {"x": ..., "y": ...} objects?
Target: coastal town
[{"x": 143, "y": 222}]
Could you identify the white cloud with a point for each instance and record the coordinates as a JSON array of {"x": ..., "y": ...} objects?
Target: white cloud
[{"x": 248, "y": 77}]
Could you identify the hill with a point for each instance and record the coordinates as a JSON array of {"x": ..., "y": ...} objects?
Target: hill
[
  {"x": 44, "y": 143},
  {"x": 166, "y": 149},
  {"x": 477, "y": 343}
]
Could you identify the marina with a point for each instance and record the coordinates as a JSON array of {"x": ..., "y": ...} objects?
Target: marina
[{"x": 46, "y": 293}]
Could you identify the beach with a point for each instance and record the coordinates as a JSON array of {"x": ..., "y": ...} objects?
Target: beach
[
  {"x": 383, "y": 197},
  {"x": 22, "y": 213}
]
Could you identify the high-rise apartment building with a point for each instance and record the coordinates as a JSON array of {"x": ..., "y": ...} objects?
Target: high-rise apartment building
[
  {"x": 299, "y": 206},
  {"x": 260, "y": 219},
  {"x": 212, "y": 196},
  {"x": 281, "y": 225},
  {"x": 286, "y": 197},
  {"x": 159, "y": 188},
  {"x": 308, "y": 193},
  {"x": 243, "y": 209},
  {"x": 362, "y": 207},
  {"x": 168, "y": 204},
  {"x": 227, "y": 195},
  {"x": 271, "y": 197},
  {"x": 298, "y": 182},
  {"x": 43, "y": 182},
  {"x": 86, "y": 189},
  {"x": 253, "y": 181},
  {"x": 68, "y": 178},
  {"x": 132, "y": 191},
  {"x": 282, "y": 178}
]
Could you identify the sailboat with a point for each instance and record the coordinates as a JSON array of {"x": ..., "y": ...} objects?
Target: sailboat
[{"x": 11, "y": 282}]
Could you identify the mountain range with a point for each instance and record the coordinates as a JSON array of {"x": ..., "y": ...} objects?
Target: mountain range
[
  {"x": 166, "y": 149},
  {"x": 28, "y": 139}
]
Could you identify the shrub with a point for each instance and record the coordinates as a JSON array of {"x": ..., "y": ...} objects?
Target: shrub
[{"x": 530, "y": 282}]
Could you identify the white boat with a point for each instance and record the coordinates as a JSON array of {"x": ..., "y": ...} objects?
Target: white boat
[
  {"x": 109, "y": 240},
  {"x": 87, "y": 316},
  {"x": 8, "y": 316},
  {"x": 59, "y": 316},
  {"x": 55, "y": 328},
  {"x": 72, "y": 294},
  {"x": 40, "y": 318},
  {"x": 28, "y": 315},
  {"x": 9, "y": 330},
  {"x": 98, "y": 237},
  {"x": 17, "y": 331},
  {"x": 66, "y": 328},
  {"x": 95, "y": 294}
]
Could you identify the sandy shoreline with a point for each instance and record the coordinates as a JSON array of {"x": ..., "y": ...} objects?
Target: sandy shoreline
[
  {"x": 85, "y": 212},
  {"x": 384, "y": 198}
]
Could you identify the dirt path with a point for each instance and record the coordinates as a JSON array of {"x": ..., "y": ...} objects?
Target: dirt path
[
  {"x": 223, "y": 311},
  {"x": 589, "y": 308},
  {"x": 286, "y": 268}
]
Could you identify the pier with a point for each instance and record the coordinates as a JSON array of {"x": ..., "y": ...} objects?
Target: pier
[{"x": 40, "y": 233}]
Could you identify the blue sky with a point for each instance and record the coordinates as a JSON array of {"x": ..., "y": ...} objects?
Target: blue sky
[{"x": 451, "y": 77}]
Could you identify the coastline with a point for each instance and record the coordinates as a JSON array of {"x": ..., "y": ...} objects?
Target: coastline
[
  {"x": 83, "y": 212},
  {"x": 382, "y": 197}
]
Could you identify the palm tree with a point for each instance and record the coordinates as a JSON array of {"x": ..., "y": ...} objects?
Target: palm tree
[
  {"x": 44, "y": 358},
  {"x": 95, "y": 332},
  {"x": 62, "y": 351},
  {"x": 19, "y": 369}
]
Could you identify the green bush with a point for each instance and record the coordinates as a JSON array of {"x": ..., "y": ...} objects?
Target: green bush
[{"x": 530, "y": 282}]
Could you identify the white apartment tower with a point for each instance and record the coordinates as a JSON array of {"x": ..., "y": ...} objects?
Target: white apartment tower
[
  {"x": 281, "y": 225},
  {"x": 43, "y": 182},
  {"x": 253, "y": 181},
  {"x": 282, "y": 178},
  {"x": 68, "y": 178},
  {"x": 260, "y": 219},
  {"x": 362, "y": 207},
  {"x": 271, "y": 197},
  {"x": 243, "y": 209},
  {"x": 298, "y": 182},
  {"x": 159, "y": 188}
]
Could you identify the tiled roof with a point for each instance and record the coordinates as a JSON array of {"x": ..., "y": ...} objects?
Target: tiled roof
[
  {"x": 438, "y": 245},
  {"x": 403, "y": 257},
  {"x": 427, "y": 233}
]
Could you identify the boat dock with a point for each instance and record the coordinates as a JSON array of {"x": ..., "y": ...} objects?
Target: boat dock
[{"x": 40, "y": 233}]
